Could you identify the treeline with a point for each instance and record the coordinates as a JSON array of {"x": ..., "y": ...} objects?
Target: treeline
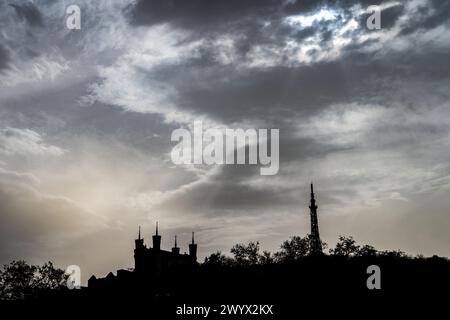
[
  {"x": 19, "y": 279},
  {"x": 295, "y": 248}
]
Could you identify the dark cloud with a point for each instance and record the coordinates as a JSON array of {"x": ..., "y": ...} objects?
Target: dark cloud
[
  {"x": 43, "y": 112},
  {"x": 4, "y": 58},
  {"x": 254, "y": 21},
  {"x": 428, "y": 17},
  {"x": 30, "y": 13},
  {"x": 199, "y": 12},
  {"x": 205, "y": 86},
  {"x": 301, "y": 6},
  {"x": 223, "y": 14},
  {"x": 262, "y": 23},
  {"x": 230, "y": 95},
  {"x": 30, "y": 53},
  {"x": 228, "y": 194}
]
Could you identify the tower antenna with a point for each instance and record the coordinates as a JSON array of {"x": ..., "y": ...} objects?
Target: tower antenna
[{"x": 316, "y": 244}]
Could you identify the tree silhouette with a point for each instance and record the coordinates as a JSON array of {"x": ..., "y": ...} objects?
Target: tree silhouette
[
  {"x": 218, "y": 259},
  {"x": 49, "y": 277},
  {"x": 293, "y": 249},
  {"x": 367, "y": 251},
  {"x": 266, "y": 258},
  {"x": 394, "y": 254},
  {"x": 345, "y": 247},
  {"x": 18, "y": 279},
  {"x": 245, "y": 255}
]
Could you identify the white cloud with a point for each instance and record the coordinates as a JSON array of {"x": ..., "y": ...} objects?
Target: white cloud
[
  {"x": 128, "y": 82},
  {"x": 307, "y": 20},
  {"x": 343, "y": 124},
  {"x": 377, "y": 126},
  {"x": 39, "y": 69},
  {"x": 14, "y": 141}
]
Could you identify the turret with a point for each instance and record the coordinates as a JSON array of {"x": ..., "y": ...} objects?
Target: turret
[
  {"x": 175, "y": 249},
  {"x": 156, "y": 239},
  {"x": 193, "y": 249},
  {"x": 139, "y": 252},
  {"x": 139, "y": 243}
]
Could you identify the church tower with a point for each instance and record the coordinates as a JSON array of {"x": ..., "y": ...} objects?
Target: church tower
[
  {"x": 193, "y": 249},
  {"x": 139, "y": 242},
  {"x": 156, "y": 239},
  {"x": 315, "y": 243},
  {"x": 139, "y": 252}
]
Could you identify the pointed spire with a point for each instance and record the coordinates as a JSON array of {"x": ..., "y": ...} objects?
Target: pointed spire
[
  {"x": 193, "y": 249},
  {"x": 156, "y": 239},
  {"x": 139, "y": 234},
  {"x": 312, "y": 191},
  {"x": 175, "y": 249}
]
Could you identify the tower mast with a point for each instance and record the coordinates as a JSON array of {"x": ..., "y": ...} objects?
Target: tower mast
[{"x": 315, "y": 243}]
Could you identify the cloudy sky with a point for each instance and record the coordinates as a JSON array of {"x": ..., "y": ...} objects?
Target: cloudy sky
[{"x": 86, "y": 118}]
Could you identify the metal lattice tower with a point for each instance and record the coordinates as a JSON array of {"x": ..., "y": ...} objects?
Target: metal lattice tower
[{"x": 315, "y": 243}]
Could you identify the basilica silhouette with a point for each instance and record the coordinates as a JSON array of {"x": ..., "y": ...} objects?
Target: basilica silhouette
[
  {"x": 155, "y": 261},
  {"x": 151, "y": 264}
]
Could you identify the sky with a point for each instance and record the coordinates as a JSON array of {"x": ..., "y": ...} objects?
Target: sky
[{"x": 86, "y": 118}]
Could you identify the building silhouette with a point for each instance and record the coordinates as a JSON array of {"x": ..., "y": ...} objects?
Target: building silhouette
[
  {"x": 151, "y": 264},
  {"x": 315, "y": 242},
  {"x": 155, "y": 261}
]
